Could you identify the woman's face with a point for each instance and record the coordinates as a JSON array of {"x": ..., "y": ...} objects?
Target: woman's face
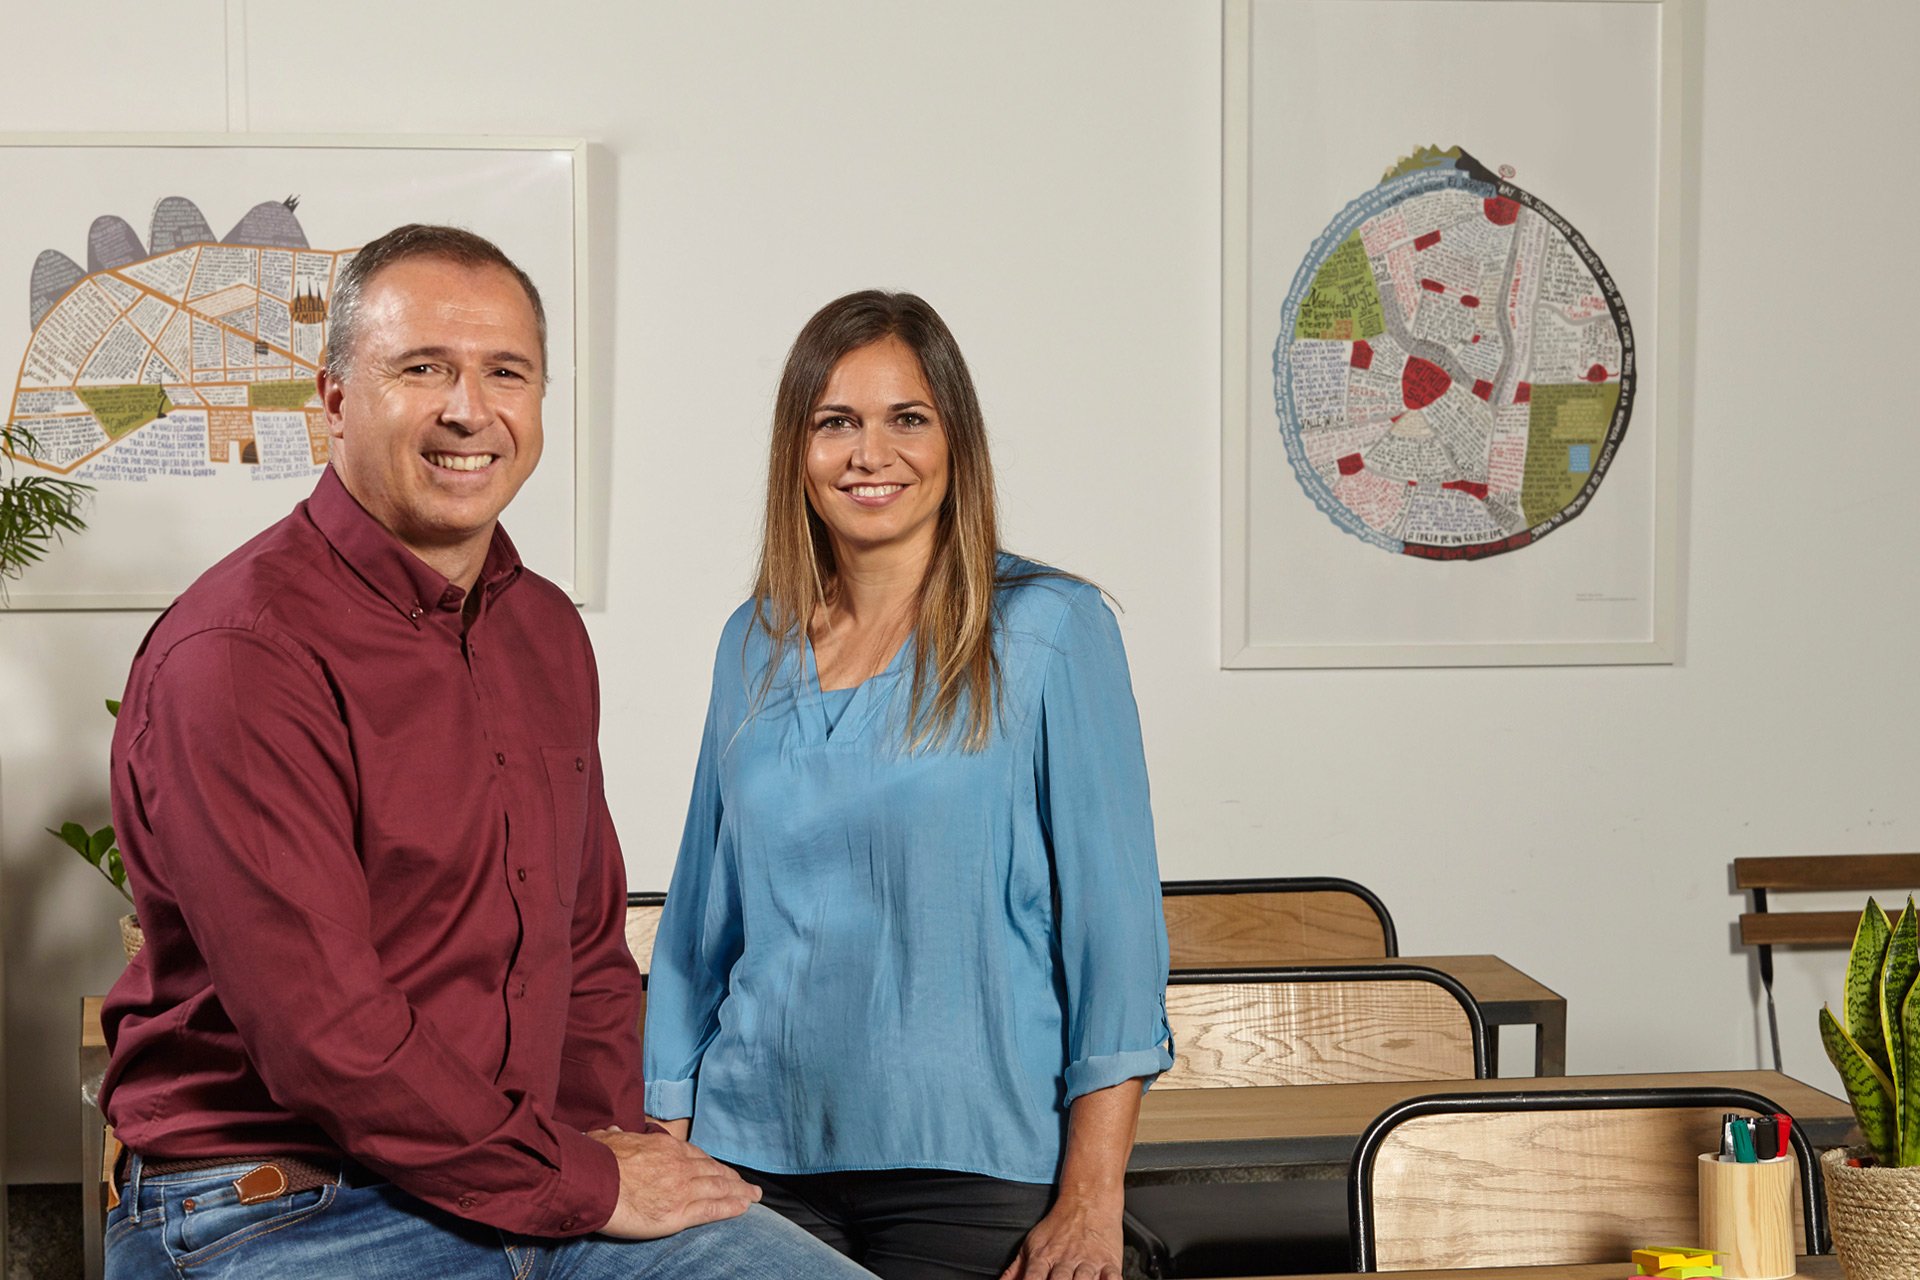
[{"x": 877, "y": 453}]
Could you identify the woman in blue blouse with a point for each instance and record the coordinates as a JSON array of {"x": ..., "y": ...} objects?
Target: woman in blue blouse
[{"x": 911, "y": 973}]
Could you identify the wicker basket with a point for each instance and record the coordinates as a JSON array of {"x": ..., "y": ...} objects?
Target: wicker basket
[
  {"x": 130, "y": 936},
  {"x": 1875, "y": 1215}
]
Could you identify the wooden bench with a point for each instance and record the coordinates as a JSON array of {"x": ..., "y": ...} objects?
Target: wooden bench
[{"x": 1764, "y": 928}]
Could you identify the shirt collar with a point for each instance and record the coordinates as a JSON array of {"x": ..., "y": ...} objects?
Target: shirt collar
[{"x": 383, "y": 562}]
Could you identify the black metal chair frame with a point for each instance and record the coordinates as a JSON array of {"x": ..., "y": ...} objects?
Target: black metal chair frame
[
  {"x": 1360, "y": 1173},
  {"x": 1293, "y": 884},
  {"x": 1153, "y": 1249}
]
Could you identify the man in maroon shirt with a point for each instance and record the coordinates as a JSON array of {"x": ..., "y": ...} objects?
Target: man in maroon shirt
[{"x": 385, "y": 1020}]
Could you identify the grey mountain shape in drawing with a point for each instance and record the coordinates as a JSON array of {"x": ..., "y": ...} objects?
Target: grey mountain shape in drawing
[
  {"x": 177, "y": 221},
  {"x": 112, "y": 243},
  {"x": 270, "y": 223},
  {"x": 53, "y": 274}
]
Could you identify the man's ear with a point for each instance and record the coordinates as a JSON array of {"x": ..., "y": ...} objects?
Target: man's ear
[{"x": 332, "y": 391}]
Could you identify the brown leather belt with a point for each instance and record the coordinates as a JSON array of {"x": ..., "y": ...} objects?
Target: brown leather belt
[{"x": 269, "y": 1179}]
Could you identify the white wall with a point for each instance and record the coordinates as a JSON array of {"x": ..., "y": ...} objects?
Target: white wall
[{"x": 1048, "y": 174}]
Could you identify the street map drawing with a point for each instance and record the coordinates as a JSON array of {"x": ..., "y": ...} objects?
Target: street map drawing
[
  {"x": 179, "y": 355},
  {"x": 1455, "y": 368}
]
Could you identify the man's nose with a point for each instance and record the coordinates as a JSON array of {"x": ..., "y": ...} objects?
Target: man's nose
[{"x": 469, "y": 403}]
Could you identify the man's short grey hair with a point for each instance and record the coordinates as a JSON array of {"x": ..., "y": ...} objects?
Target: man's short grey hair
[{"x": 415, "y": 240}]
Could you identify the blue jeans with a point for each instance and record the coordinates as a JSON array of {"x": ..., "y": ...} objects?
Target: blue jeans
[{"x": 193, "y": 1224}]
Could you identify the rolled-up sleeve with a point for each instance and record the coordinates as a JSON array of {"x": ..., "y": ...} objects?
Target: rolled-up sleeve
[{"x": 1091, "y": 777}]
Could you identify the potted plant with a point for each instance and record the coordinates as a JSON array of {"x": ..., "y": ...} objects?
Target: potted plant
[
  {"x": 1873, "y": 1192},
  {"x": 102, "y": 853}
]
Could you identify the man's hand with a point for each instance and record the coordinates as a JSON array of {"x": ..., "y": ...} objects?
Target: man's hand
[
  {"x": 667, "y": 1185},
  {"x": 1077, "y": 1240}
]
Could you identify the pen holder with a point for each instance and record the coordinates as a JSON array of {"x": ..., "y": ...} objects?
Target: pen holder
[{"x": 1746, "y": 1216}]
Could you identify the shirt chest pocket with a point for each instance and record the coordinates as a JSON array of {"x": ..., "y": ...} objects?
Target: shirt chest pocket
[{"x": 567, "y": 792}]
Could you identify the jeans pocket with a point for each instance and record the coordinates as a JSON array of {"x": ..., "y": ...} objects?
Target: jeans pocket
[{"x": 205, "y": 1226}]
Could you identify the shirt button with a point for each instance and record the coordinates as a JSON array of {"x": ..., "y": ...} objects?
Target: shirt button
[
  {"x": 568, "y": 1224},
  {"x": 499, "y": 757},
  {"x": 521, "y": 875},
  {"x": 579, "y": 765},
  {"x": 466, "y": 1202}
]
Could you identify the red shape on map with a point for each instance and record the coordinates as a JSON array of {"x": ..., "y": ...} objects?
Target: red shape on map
[
  {"x": 1476, "y": 337},
  {"x": 1598, "y": 373},
  {"x": 1427, "y": 241},
  {"x": 1472, "y": 488},
  {"x": 1351, "y": 464},
  {"x": 1433, "y": 286},
  {"x": 1483, "y": 389},
  {"x": 1468, "y": 300},
  {"x": 1523, "y": 393},
  {"x": 1362, "y": 357},
  {"x": 1501, "y": 212},
  {"x": 1422, "y": 382}
]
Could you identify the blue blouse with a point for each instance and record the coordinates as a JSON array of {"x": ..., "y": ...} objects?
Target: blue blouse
[{"x": 871, "y": 959}]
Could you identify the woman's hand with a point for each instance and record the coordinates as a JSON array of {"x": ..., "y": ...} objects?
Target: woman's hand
[{"x": 1079, "y": 1239}]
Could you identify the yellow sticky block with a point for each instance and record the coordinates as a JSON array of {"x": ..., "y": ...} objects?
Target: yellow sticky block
[{"x": 1657, "y": 1258}]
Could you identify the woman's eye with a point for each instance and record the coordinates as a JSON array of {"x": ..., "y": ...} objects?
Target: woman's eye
[
  {"x": 836, "y": 423},
  {"x": 912, "y": 420}
]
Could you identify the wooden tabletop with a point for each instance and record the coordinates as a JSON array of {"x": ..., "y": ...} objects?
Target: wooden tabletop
[
  {"x": 1822, "y": 1268},
  {"x": 1489, "y": 979},
  {"x": 1320, "y": 1123}
]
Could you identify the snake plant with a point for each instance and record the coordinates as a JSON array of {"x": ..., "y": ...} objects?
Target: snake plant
[{"x": 1875, "y": 1042}]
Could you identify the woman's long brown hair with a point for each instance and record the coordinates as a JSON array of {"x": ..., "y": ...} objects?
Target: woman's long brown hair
[{"x": 953, "y": 659}]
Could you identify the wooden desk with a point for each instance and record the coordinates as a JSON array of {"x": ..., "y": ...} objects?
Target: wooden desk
[
  {"x": 1319, "y": 1124},
  {"x": 1821, "y": 1268},
  {"x": 1507, "y": 998}
]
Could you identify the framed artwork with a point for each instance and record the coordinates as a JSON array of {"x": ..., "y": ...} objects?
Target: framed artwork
[
  {"x": 163, "y": 310},
  {"x": 1448, "y": 383}
]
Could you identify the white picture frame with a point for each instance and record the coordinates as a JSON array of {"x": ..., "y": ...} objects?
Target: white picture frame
[
  {"x": 157, "y": 518},
  {"x": 1320, "y": 96}
]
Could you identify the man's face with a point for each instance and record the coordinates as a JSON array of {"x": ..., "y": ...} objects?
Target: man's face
[{"x": 438, "y": 423}]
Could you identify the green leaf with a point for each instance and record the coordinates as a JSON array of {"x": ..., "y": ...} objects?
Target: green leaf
[
  {"x": 1868, "y": 1088},
  {"x": 117, "y": 872},
  {"x": 1896, "y": 979},
  {"x": 1860, "y": 999},
  {"x": 1909, "y": 1125},
  {"x": 73, "y": 834},
  {"x": 99, "y": 843},
  {"x": 113, "y": 707}
]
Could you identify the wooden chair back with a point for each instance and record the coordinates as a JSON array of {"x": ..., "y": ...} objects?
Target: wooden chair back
[
  {"x": 1214, "y": 924},
  {"x": 1763, "y": 928},
  {"x": 1321, "y": 1026},
  {"x": 1527, "y": 1179}
]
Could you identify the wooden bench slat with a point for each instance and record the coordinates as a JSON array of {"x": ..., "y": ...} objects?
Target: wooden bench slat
[
  {"x": 1836, "y": 871},
  {"x": 1812, "y": 928}
]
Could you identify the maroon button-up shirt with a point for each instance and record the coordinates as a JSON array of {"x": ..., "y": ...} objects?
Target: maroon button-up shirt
[{"x": 383, "y": 899}]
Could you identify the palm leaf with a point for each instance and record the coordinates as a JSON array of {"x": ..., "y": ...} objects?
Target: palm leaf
[{"x": 1868, "y": 1088}]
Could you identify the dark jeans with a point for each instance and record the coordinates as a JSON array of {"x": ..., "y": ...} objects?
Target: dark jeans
[{"x": 911, "y": 1224}]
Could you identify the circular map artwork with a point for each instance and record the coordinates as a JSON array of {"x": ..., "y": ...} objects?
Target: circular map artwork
[{"x": 1454, "y": 369}]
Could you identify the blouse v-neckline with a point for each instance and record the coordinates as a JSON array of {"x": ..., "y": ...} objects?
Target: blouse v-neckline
[{"x": 859, "y": 708}]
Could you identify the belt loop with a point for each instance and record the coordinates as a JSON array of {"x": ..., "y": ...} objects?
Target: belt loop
[{"x": 134, "y": 1169}]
